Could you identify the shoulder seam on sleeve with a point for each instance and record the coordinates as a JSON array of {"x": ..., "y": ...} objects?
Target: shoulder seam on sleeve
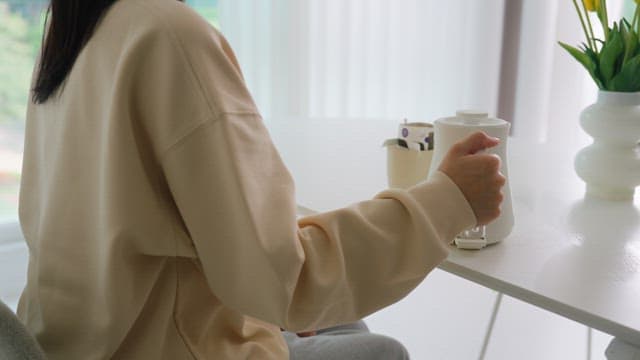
[
  {"x": 182, "y": 138},
  {"x": 209, "y": 121}
]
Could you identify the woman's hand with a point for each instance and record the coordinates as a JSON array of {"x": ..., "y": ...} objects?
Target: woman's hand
[{"x": 477, "y": 174}]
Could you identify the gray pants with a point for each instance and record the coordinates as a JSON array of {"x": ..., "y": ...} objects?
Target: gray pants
[{"x": 346, "y": 342}]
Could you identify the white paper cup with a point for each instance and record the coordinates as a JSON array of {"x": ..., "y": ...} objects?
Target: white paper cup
[{"x": 406, "y": 167}]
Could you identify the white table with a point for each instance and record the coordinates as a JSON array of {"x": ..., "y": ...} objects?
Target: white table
[{"x": 577, "y": 257}]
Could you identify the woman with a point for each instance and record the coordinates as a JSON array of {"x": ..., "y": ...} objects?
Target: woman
[{"x": 161, "y": 221}]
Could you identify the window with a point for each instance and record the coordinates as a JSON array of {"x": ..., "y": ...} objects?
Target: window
[
  {"x": 20, "y": 33},
  {"x": 207, "y": 8}
]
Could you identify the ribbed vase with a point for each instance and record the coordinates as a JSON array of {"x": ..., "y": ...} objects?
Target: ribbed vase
[{"x": 610, "y": 166}]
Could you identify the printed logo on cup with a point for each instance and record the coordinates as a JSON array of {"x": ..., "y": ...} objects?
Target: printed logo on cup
[{"x": 417, "y": 132}]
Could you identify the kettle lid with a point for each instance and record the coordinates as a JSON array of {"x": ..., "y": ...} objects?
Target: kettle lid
[{"x": 472, "y": 118}]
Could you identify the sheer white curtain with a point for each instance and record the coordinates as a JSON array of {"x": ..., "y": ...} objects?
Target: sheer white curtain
[{"x": 419, "y": 59}]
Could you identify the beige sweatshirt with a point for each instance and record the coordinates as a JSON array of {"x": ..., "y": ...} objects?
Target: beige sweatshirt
[{"x": 161, "y": 221}]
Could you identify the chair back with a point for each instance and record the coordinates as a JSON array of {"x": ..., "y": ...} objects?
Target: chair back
[{"x": 15, "y": 341}]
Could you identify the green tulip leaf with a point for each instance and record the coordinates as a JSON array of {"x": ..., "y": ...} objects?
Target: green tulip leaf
[
  {"x": 630, "y": 40},
  {"x": 582, "y": 57},
  {"x": 588, "y": 59},
  {"x": 610, "y": 56},
  {"x": 628, "y": 79},
  {"x": 631, "y": 45}
]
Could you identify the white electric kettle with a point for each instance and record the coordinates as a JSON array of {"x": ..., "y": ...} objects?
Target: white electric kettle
[{"x": 448, "y": 131}]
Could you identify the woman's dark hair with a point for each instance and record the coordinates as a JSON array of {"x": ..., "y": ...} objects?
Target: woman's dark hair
[{"x": 69, "y": 25}]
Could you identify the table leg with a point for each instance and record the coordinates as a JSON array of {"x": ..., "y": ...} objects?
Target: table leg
[
  {"x": 492, "y": 322},
  {"x": 589, "y": 342},
  {"x": 620, "y": 350}
]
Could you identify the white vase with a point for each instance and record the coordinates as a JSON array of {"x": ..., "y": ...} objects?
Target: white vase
[{"x": 611, "y": 165}]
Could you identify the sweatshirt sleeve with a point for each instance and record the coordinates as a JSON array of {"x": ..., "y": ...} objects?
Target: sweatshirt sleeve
[
  {"x": 238, "y": 203},
  {"x": 237, "y": 199}
]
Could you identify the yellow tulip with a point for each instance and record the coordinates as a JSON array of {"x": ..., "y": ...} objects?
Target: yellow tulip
[{"x": 594, "y": 5}]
